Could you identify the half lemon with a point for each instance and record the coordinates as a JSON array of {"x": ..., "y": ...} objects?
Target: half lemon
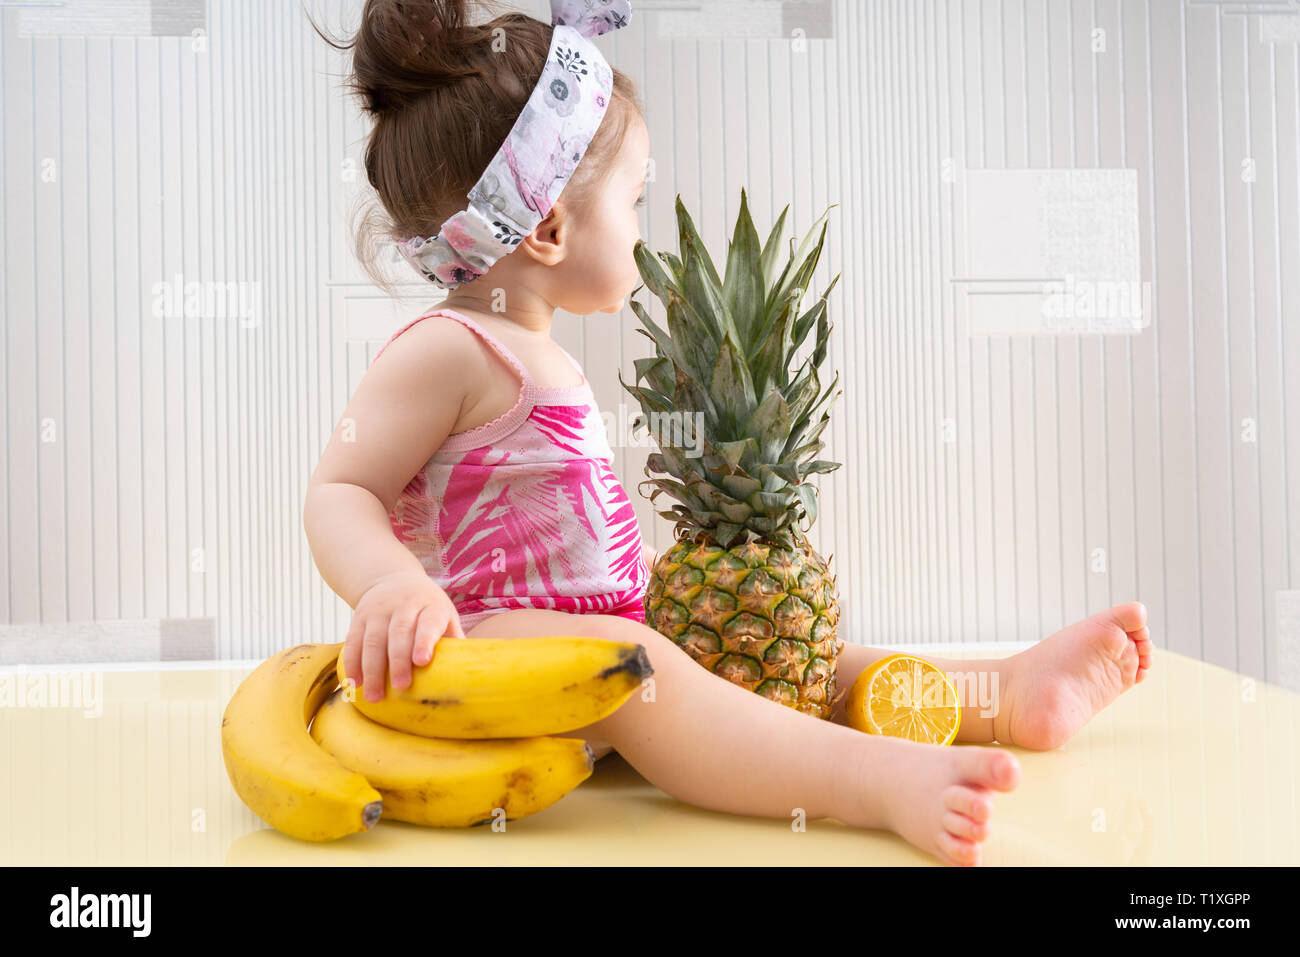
[{"x": 902, "y": 696}]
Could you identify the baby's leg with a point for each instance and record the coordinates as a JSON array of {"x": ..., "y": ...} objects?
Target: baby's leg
[
  {"x": 979, "y": 683},
  {"x": 1039, "y": 698},
  {"x": 715, "y": 745}
]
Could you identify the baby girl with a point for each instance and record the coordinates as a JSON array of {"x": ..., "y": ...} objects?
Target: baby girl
[{"x": 454, "y": 498}]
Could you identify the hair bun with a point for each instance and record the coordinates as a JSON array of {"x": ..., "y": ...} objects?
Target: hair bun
[{"x": 405, "y": 48}]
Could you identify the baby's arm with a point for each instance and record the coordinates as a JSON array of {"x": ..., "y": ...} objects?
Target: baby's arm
[{"x": 405, "y": 406}]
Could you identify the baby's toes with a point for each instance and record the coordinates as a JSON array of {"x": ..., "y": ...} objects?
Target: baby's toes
[
  {"x": 989, "y": 768},
  {"x": 958, "y": 850},
  {"x": 1142, "y": 642},
  {"x": 959, "y": 825},
  {"x": 974, "y": 803},
  {"x": 1144, "y": 665},
  {"x": 1131, "y": 616}
]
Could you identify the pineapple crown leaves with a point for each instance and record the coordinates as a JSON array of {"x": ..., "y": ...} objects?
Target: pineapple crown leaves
[{"x": 721, "y": 375}]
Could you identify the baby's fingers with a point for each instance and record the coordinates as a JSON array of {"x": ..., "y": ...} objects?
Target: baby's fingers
[
  {"x": 352, "y": 649},
  {"x": 432, "y": 626},
  {"x": 374, "y": 657},
  {"x": 453, "y": 626},
  {"x": 401, "y": 633}
]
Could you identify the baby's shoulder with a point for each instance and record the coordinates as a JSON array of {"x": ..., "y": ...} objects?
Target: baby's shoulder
[
  {"x": 439, "y": 345},
  {"x": 431, "y": 365}
]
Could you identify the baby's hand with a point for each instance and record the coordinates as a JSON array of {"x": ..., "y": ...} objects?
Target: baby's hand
[{"x": 397, "y": 622}]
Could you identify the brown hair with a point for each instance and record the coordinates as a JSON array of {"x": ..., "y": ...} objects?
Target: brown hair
[{"x": 444, "y": 94}]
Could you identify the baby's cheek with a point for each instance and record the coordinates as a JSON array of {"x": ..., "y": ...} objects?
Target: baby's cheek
[
  {"x": 630, "y": 258},
  {"x": 632, "y": 275}
]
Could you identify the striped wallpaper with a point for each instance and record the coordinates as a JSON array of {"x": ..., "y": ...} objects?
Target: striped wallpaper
[{"x": 183, "y": 323}]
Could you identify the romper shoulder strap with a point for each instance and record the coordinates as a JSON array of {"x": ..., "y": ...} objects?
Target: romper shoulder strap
[
  {"x": 500, "y": 347},
  {"x": 507, "y": 422}
]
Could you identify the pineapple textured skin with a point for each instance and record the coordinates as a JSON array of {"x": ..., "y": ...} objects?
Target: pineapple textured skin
[{"x": 761, "y": 616}]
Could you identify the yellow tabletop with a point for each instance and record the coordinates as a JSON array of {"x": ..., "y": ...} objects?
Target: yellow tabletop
[{"x": 1196, "y": 765}]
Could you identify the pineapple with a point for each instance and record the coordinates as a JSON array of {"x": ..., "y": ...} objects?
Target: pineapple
[{"x": 736, "y": 424}]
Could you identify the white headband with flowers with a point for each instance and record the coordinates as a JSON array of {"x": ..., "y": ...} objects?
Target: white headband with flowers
[{"x": 534, "y": 163}]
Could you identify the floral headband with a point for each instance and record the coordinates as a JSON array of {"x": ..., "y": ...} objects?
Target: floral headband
[{"x": 549, "y": 138}]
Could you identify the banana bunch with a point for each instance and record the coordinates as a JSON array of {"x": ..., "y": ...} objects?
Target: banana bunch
[{"x": 418, "y": 755}]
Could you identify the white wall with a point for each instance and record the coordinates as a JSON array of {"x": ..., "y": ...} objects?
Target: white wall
[
  {"x": 1123, "y": 450},
  {"x": 996, "y": 485}
]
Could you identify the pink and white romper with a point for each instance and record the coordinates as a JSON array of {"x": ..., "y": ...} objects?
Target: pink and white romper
[{"x": 525, "y": 511}]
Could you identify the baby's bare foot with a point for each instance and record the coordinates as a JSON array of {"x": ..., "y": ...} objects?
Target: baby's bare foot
[
  {"x": 1054, "y": 688},
  {"x": 937, "y": 798}
]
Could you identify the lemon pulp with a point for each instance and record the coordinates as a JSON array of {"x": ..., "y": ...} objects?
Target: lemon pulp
[{"x": 902, "y": 696}]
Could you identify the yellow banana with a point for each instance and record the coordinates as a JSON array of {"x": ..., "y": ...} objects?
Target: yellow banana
[
  {"x": 510, "y": 687},
  {"x": 440, "y": 782},
  {"x": 287, "y": 779}
]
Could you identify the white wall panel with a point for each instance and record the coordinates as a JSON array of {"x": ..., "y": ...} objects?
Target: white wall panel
[{"x": 999, "y": 482}]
